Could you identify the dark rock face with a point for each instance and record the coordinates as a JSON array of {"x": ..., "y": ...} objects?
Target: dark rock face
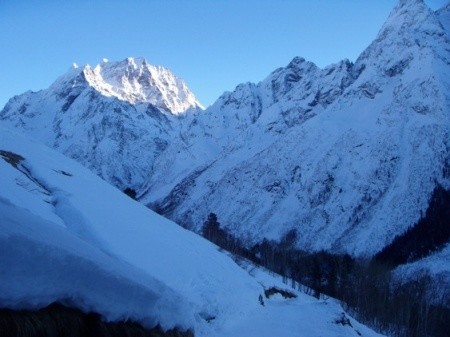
[{"x": 57, "y": 320}]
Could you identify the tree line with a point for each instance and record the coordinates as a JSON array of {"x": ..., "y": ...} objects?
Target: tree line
[
  {"x": 430, "y": 234},
  {"x": 365, "y": 287}
]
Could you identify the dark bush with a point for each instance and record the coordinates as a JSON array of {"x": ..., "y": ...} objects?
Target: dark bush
[{"x": 130, "y": 192}]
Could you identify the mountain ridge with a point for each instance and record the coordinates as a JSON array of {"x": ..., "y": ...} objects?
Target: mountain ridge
[{"x": 370, "y": 82}]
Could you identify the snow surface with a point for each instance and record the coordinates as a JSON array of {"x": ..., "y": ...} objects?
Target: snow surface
[
  {"x": 68, "y": 236},
  {"x": 41, "y": 263}
]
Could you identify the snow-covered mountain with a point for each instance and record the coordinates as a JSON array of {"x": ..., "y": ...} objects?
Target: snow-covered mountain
[
  {"x": 133, "y": 80},
  {"x": 115, "y": 118},
  {"x": 68, "y": 236},
  {"x": 348, "y": 155}
]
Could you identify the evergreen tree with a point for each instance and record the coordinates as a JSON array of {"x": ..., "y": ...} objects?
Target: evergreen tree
[{"x": 211, "y": 228}]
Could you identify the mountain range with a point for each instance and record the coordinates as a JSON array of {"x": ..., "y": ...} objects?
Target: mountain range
[{"x": 348, "y": 156}]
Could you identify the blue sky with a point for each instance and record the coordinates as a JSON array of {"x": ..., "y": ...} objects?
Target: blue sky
[{"x": 213, "y": 45}]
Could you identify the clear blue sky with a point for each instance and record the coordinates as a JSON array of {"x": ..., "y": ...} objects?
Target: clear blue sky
[{"x": 213, "y": 45}]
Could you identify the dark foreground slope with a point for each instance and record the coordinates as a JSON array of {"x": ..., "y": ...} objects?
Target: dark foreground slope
[{"x": 57, "y": 321}]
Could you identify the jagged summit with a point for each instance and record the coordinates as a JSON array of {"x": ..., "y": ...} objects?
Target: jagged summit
[
  {"x": 136, "y": 81},
  {"x": 409, "y": 16},
  {"x": 411, "y": 25}
]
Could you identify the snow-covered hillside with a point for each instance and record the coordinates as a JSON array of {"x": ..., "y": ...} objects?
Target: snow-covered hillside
[
  {"x": 68, "y": 236},
  {"x": 348, "y": 156}
]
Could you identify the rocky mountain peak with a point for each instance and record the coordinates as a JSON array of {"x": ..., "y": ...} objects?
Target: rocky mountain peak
[
  {"x": 135, "y": 81},
  {"x": 410, "y": 29},
  {"x": 407, "y": 14}
]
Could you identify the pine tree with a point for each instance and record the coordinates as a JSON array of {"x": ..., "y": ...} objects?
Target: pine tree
[{"x": 211, "y": 228}]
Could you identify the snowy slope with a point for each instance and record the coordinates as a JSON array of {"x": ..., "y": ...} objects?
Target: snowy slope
[
  {"x": 68, "y": 236},
  {"x": 41, "y": 262}
]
